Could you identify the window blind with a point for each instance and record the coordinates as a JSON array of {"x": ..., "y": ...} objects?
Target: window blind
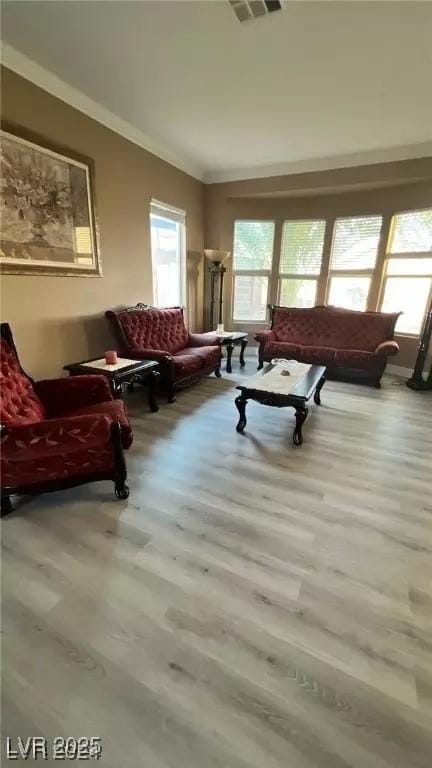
[
  {"x": 253, "y": 245},
  {"x": 355, "y": 243},
  {"x": 411, "y": 232},
  {"x": 302, "y": 247}
]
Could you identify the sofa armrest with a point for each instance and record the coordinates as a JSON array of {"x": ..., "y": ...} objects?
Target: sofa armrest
[
  {"x": 387, "y": 348},
  {"x": 60, "y": 396},
  {"x": 55, "y": 436},
  {"x": 203, "y": 340},
  {"x": 264, "y": 336},
  {"x": 149, "y": 354}
]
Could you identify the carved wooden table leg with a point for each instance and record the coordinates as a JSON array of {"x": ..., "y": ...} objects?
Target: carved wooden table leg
[
  {"x": 300, "y": 415},
  {"x": 229, "y": 349},
  {"x": 317, "y": 397},
  {"x": 153, "y": 386},
  {"x": 240, "y": 402},
  {"x": 243, "y": 345},
  {"x": 171, "y": 392}
]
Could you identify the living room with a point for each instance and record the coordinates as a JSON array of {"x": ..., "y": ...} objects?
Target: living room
[{"x": 216, "y": 383}]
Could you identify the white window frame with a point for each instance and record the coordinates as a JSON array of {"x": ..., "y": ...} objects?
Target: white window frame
[
  {"x": 169, "y": 212},
  {"x": 298, "y": 275},
  {"x": 252, "y": 273},
  {"x": 407, "y": 255},
  {"x": 369, "y": 272}
]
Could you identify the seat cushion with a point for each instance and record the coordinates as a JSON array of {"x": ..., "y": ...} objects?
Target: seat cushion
[
  {"x": 354, "y": 357},
  {"x": 116, "y": 410},
  {"x": 210, "y": 356},
  {"x": 19, "y": 403},
  {"x": 281, "y": 349},
  {"x": 186, "y": 365},
  {"x": 316, "y": 355}
]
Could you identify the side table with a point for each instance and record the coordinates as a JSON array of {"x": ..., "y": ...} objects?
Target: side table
[
  {"x": 122, "y": 375},
  {"x": 229, "y": 341}
]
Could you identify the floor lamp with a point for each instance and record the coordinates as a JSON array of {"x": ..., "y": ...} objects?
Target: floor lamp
[
  {"x": 217, "y": 271},
  {"x": 417, "y": 381}
]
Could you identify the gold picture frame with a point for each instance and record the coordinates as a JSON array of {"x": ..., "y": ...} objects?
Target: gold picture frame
[{"x": 47, "y": 208}]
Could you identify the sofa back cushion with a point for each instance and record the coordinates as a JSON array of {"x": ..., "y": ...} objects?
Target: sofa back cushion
[
  {"x": 19, "y": 403},
  {"x": 333, "y": 327},
  {"x": 154, "y": 329}
]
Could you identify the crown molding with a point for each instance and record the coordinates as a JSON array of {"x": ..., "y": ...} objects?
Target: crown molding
[
  {"x": 373, "y": 157},
  {"x": 21, "y": 64}
]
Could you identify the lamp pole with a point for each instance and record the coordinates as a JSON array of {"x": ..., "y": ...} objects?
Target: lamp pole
[
  {"x": 217, "y": 271},
  {"x": 222, "y": 271},
  {"x": 417, "y": 381}
]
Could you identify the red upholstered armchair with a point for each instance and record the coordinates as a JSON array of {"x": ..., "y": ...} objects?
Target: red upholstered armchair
[
  {"x": 57, "y": 433},
  {"x": 147, "y": 333}
]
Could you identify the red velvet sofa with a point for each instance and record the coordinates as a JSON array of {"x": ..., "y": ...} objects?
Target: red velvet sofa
[
  {"x": 353, "y": 345},
  {"x": 147, "y": 333},
  {"x": 57, "y": 433}
]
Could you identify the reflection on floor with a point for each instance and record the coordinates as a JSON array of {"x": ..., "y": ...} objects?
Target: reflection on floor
[{"x": 253, "y": 604}]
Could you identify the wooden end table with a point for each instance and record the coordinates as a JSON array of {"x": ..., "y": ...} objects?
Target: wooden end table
[
  {"x": 229, "y": 341},
  {"x": 122, "y": 375},
  {"x": 271, "y": 387}
]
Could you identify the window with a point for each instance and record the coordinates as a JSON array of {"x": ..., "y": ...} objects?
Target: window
[
  {"x": 300, "y": 262},
  {"x": 252, "y": 260},
  {"x": 167, "y": 226},
  {"x": 353, "y": 256},
  {"x": 408, "y": 269}
]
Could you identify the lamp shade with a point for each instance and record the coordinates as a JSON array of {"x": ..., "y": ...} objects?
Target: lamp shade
[{"x": 217, "y": 257}]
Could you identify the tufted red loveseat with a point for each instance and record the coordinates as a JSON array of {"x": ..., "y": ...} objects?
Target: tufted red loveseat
[
  {"x": 59, "y": 432},
  {"x": 147, "y": 333},
  {"x": 353, "y": 345}
]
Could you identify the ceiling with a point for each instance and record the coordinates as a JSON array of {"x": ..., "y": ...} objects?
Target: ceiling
[{"x": 318, "y": 85}]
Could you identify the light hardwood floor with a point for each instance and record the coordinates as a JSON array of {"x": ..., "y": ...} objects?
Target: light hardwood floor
[{"x": 253, "y": 604}]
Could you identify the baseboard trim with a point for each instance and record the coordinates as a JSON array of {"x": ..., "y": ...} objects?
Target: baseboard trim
[{"x": 399, "y": 370}]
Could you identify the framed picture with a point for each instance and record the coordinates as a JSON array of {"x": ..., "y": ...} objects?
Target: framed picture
[{"x": 48, "y": 224}]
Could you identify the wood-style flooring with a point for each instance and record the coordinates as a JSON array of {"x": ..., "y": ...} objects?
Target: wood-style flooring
[{"x": 252, "y": 605}]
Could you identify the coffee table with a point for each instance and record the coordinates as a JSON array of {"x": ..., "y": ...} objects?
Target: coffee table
[
  {"x": 122, "y": 375},
  {"x": 272, "y": 387},
  {"x": 231, "y": 339}
]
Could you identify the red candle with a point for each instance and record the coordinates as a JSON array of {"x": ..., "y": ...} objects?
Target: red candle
[{"x": 111, "y": 357}]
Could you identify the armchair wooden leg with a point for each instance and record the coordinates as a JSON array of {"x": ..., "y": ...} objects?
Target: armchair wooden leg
[
  {"x": 171, "y": 392},
  {"x": 120, "y": 471},
  {"x": 121, "y": 491},
  {"x": 169, "y": 378},
  {"x": 6, "y": 506}
]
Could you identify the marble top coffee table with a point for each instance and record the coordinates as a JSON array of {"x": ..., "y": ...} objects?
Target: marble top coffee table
[{"x": 285, "y": 383}]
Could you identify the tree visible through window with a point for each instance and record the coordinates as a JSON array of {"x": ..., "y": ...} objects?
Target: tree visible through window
[
  {"x": 252, "y": 260},
  {"x": 408, "y": 269},
  {"x": 353, "y": 257},
  {"x": 300, "y": 262}
]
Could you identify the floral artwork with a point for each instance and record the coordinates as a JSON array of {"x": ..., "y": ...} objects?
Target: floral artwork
[{"x": 47, "y": 217}]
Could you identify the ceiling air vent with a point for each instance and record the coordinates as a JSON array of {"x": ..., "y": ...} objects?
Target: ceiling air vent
[{"x": 246, "y": 10}]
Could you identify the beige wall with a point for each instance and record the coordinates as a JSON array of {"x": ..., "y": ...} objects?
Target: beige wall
[
  {"x": 60, "y": 319},
  {"x": 383, "y": 189}
]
